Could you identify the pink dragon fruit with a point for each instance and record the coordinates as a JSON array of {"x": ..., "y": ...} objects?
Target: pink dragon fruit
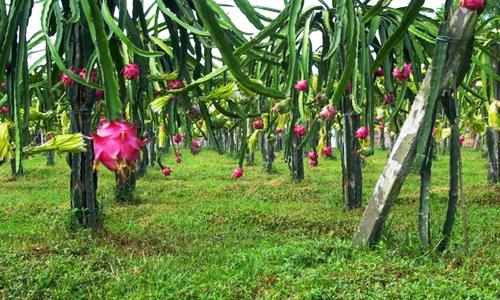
[
  {"x": 258, "y": 124},
  {"x": 4, "y": 110},
  {"x": 166, "y": 171},
  {"x": 312, "y": 155},
  {"x": 328, "y": 112},
  {"x": 237, "y": 173},
  {"x": 66, "y": 80},
  {"x": 381, "y": 127},
  {"x": 116, "y": 145},
  {"x": 461, "y": 139},
  {"x": 278, "y": 130},
  {"x": 379, "y": 72},
  {"x": 301, "y": 85},
  {"x": 327, "y": 151},
  {"x": 299, "y": 130},
  {"x": 434, "y": 131},
  {"x": 362, "y": 132},
  {"x": 175, "y": 84},
  {"x": 472, "y": 4},
  {"x": 404, "y": 73},
  {"x": 131, "y": 72}
]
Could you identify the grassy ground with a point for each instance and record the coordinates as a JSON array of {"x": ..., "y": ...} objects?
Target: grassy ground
[{"x": 199, "y": 234}]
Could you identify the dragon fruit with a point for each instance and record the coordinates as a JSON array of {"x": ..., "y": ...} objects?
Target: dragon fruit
[
  {"x": 258, "y": 124},
  {"x": 131, "y": 72},
  {"x": 328, "y": 112},
  {"x": 404, "y": 73},
  {"x": 66, "y": 80},
  {"x": 4, "y": 110},
  {"x": 278, "y": 130},
  {"x": 175, "y": 84},
  {"x": 166, "y": 171},
  {"x": 299, "y": 130},
  {"x": 301, "y": 85},
  {"x": 461, "y": 139},
  {"x": 312, "y": 155},
  {"x": 327, "y": 151},
  {"x": 237, "y": 173},
  {"x": 472, "y": 4},
  {"x": 116, "y": 145},
  {"x": 362, "y": 132}
]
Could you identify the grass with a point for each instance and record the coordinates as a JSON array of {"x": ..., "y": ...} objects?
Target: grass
[{"x": 201, "y": 235}]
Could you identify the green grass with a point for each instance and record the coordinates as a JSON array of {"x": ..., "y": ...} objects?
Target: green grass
[{"x": 201, "y": 235}]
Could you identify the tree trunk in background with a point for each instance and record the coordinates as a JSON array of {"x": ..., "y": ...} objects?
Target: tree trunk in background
[
  {"x": 352, "y": 177},
  {"x": 492, "y": 144},
  {"x": 297, "y": 159},
  {"x": 401, "y": 158},
  {"x": 268, "y": 151}
]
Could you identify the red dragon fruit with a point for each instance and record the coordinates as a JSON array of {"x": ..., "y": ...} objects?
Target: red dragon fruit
[
  {"x": 237, "y": 173},
  {"x": 461, "y": 139},
  {"x": 66, "y": 80},
  {"x": 258, "y": 124},
  {"x": 301, "y": 85},
  {"x": 131, "y": 72},
  {"x": 116, "y": 145},
  {"x": 278, "y": 130},
  {"x": 312, "y": 155},
  {"x": 166, "y": 171},
  {"x": 472, "y": 4},
  {"x": 327, "y": 151},
  {"x": 362, "y": 132},
  {"x": 299, "y": 130},
  {"x": 4, "y": 110}
]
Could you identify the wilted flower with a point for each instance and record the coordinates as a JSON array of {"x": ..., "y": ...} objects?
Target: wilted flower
[
  {"x": 328, "y": 112},
  {"x": 379, "y": 72},
  {"x": 99, "y": 95},
  {"x": 175, "y": 84},
  {"x": 389, "y": 99}
]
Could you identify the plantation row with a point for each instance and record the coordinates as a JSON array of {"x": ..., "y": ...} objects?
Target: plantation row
[{"x": 127, "y": 92}]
